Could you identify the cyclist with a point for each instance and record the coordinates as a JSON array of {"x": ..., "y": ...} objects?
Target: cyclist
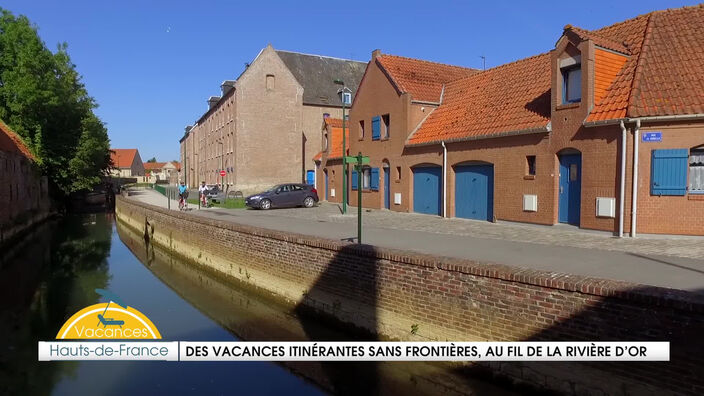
[
  {"x": 203, "y": 190},
  {"x": 182, "y": 196}
]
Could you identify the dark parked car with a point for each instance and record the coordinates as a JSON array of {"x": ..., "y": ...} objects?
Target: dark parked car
[{"x": 284, "y": 195}]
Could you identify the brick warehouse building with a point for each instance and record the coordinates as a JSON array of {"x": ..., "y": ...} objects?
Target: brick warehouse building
[
  {"x": 264, "y": 128},
  {"x": 542, "y": 139}
]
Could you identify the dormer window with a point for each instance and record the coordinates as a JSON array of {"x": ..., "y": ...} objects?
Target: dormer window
[
  {"x": 571, "y": 70},
  {"x": 572, "y": 84}
]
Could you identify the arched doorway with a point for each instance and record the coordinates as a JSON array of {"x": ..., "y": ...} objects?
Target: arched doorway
[
  {"x": 387, "y": 184},
  {"x": 570, "y": 187}
]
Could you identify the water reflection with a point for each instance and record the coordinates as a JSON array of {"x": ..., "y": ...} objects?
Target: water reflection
[
  {"x": 53, "y": 273},
  {"x": 44, "y": 279},
  {"x": 254, "y": 316}
]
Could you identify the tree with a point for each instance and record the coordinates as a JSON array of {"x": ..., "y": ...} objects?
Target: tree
[
  {"x": 152, "y": 160},
  {"x": 43, "y": 99}
]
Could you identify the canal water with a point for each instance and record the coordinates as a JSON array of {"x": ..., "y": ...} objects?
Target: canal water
[{"x": 54, "y": 271}]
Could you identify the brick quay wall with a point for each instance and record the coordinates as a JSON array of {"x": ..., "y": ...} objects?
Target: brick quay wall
[{"x": 410, "y": 296}]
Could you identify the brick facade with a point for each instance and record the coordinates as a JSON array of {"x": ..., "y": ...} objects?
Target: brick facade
[
  {"x": 564, "y": 132},
  {"x": 269, "y": 133},
  {"x": 387, "y": 292},
  {"x": 24, "y": 192}
]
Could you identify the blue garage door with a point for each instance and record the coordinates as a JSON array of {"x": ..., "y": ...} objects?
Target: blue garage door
[
  {"x": 427, "y": 187},
  {"x": 474, "y": 192}
]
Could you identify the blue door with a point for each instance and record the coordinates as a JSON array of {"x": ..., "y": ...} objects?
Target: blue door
[
  {"x": 570, "y": 188},
  {"x": 474, "y": 192},
  {"x": 326, "y": 185},
  {"x": 427, "y": 189},
  {"x": 310, "y": 177},
  {"x": 387, "y": 189}
]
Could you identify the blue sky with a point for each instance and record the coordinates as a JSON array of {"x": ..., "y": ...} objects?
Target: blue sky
[{"x": 151, "y": 65}]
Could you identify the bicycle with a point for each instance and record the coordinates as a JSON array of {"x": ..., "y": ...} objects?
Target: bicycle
[
  {"x": 182, "y": 203},
  {"x": 204, "y": 201}
]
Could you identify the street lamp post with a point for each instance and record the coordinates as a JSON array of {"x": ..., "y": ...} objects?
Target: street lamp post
[{"x": 344, "y": 144}]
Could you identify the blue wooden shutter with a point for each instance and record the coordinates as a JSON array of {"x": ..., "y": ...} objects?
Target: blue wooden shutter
[
  {"x": 669, "y": 172},
  {"x": 354, "y": 179},
  {"x": 374, "y": 182},
  {"x": 376, "y": 128}
]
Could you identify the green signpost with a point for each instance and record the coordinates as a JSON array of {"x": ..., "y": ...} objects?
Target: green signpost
[{"x": 359, "y": 160}]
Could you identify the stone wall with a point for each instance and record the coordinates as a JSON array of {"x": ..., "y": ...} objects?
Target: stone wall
[
  {"x": 24, "y": 195},
  {"x": 389, "y": 293}
]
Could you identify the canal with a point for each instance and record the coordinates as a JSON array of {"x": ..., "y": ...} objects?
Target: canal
[{"x": 54, "y": 271}]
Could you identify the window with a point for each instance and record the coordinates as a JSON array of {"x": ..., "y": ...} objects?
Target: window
[
  {"x": 374, "y": 179},
  {"x": 376, "y": 128},
  {"x": 572, "y": 84},
  {"x": 398, "y": 173},
  {"x": 347, "y": 98},
  {"x": 366, "y": 178},
  {"x": 361, "y": 129},
  {"x": 530, "y": 165},
  {"x": 385, "y": 120},
  {"x": 325, "y": 141},
  {"x": 668, "y": 172},
  {"x": 696, "y": 170},
  {"x": 270, "y": 82}
]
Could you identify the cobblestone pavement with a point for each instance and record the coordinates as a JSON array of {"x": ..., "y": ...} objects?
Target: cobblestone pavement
[{"x": 676, "y": 262}]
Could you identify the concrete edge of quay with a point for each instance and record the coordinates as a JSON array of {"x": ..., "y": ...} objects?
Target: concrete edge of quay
[{"x": 410, "y": 296}]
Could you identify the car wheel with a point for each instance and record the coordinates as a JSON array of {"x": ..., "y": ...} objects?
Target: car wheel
[
  {"x": 308, "y": 202},
  {"x": 265, "y": 204}
]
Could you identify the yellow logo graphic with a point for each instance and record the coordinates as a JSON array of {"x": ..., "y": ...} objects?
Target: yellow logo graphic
[{"x": 113, "y": 320}]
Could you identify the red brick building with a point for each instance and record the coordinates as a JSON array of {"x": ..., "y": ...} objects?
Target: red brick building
[
  {"x": 608, "y": 124},
  {"x": 329, "y": 160}
]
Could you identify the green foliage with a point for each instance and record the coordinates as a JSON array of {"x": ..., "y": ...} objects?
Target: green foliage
[
  {"x": 152, "y": 160},
  {"x": 43, "y": 99}
]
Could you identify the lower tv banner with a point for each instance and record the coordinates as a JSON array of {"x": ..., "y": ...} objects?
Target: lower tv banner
[{"x": 354, "y": 351}]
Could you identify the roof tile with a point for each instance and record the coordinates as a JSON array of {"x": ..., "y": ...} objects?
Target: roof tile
[
  {"x": 422, "y": 79},
  {"x": 505, "y": 99},
  {"x": 122, "y": 158},
  {"x": 11, "y": 142}
]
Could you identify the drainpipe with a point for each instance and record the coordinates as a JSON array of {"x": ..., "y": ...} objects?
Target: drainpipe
[
  {"x": 623, "y": 180},
  {"x": 444, "y": 179},
  {"x": 634, "y": 200}
]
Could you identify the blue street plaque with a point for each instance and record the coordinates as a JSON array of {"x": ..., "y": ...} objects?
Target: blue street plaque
[{"x": 652, "y": 137}]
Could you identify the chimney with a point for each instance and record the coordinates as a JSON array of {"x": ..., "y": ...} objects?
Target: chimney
[
  {"x": 376, "y": 53},
  {"x": 212, "y": 101},
  {"x": 226, "y": 86}
]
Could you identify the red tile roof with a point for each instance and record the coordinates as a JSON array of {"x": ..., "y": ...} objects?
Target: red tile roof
[
  {"x": 669, "y": 78},
  {"x": 599, "y": 40},
  {"x": 607, "y": 65},
  {"x": 12, "y": 143},
  {"x": 153, "y": 165},
  {"x": 122, "y": 158},
  {"x": 334, "y": 122},
  {"x": 505, "y": 99},
  {"x": 665, "y": 74},
  {"x": 422, "y": 79}
]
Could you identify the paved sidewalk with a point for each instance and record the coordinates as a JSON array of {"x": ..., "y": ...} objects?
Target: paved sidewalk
[{"x": 676, "y": 262}]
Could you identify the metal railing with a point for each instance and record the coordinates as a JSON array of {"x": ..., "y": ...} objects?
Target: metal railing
[{"x": 171, "y": 193}]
